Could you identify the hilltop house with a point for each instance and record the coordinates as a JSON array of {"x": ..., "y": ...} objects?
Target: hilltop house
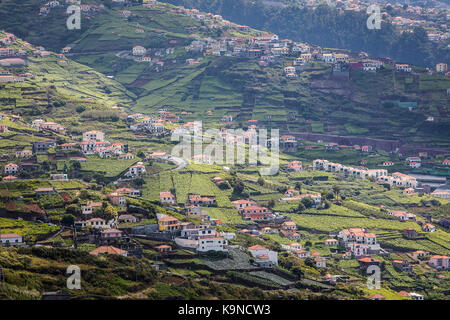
[{"x": 263, "y": 256}]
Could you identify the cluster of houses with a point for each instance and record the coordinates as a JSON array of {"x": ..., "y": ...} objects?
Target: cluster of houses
[{"x": 397, "y": 179}]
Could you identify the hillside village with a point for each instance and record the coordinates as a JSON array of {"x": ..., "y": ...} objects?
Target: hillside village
[{"x": 111, "y": 187}]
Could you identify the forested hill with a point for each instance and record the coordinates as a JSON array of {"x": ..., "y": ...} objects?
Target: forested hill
[{"x": 326, "y": 27}]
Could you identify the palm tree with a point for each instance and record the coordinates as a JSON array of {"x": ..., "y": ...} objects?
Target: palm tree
[{"x": 336, "y": 191}]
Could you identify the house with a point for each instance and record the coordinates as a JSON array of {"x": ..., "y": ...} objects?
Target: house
[
  {"x": 117, "y": 199},
  {"x": 198, "y": 200},
  {"x": 10, "y": 169},
  {"x": 255, "y": 213},
  {"x": 127, "y": 218},
  {"x": 167, "y": 198},
  {"x": 368, "y": 261},
  {"x": 105, "y": 250},
  {"x": 294, "y": 166},
  {"x": 139, "y": 51},
  {"x": 292, "y": 192},
  {"x": 211, "y": 241},
  {"x": 289, "y": 230},
  {"x": 441, "y": 67},
  {"x": 137, "y": 170},
  {"x": 441, "y": 193},
  {"x": 42, "y": 146},
  {"x": 410, "y": 233},
  {"x": 227, "y": 118},
  {"x": 168, "y": 223},
  {"x": 10, "y": 239},
  {"x": 402, "y": 265},
  {"x": 129, "y": 192},
  {"x": 359, "y": 241},
  {"x": 93, "y": 135},
  {"x": 241, "y": 204},
  {"x": 416, "y": 296},
  {"x": 24, "y": 154},
  {"x": 196, "y": 213},
  {"x": 402, "y": 68},
  {"x": 377, "y": 296},
  {"x": 439, "y": 262},
  {"x": 97, "y": 223},
  {"x": 159, "y": 155},
  {"x": 388, "y": 163},
  {"x": 111, "y": 234},
  {"x": 3, "y": 128},
  {"x": 294, "y": 246},
  {"x": 331, "y": 242},
  {"x": 419, "y": 254},
  {"x": 320, "y": 262},
  {"x": 126, "y": 156},
  {"x": 163, "y": 248},
  {"x": 415, "y": 165},
  {"x": 263, "y": 256},
  {"x": 44, "y": 191},
  {"x": 301, "y": 254},
  {"x": 428, "y": 228}
]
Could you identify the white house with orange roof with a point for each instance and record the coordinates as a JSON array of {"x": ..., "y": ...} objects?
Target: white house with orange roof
[
  {"x": 439, "y": 262},
  {"x": 139, "y": 51},
  {"x": 263, "y": 256},
  {"x": 243, "y": 203},
  {"x": 167, "y": 198},
  {"x": 359, "y": 241},
  {"x": 10, "y": 239},
  {"x": 137, "y": 170},
  {"x": 10, "y": 169},
  {"x": 93, "y": 135},
  {"x": 294, "y": 166}
]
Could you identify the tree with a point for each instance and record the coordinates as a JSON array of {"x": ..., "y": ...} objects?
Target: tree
[
  {"x": 238, "y": 187},
  {"x": 309, "y": 262},
  {"x": 68, "y": 220},
  {"x": 336, "y": 191},
  {"x": 308, "y": 202},
  {"x": 301, "y": 207},
  {"x": 261, "y": 181},
  {"x": 141, "y": 154},
  {"x": 271, "y": 203},
  {"x": 298, "y": 186},
  {"x": 75, "y": 165},
  {"x": 80, "y": 109},
  {"x": 73, "y": 209}
]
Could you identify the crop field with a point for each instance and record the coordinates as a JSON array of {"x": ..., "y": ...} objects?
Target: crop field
[
  {"x": 29, "y": 230},
  {"x": 110, "y": 167},
  {"x": 336, "y": 223}
]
